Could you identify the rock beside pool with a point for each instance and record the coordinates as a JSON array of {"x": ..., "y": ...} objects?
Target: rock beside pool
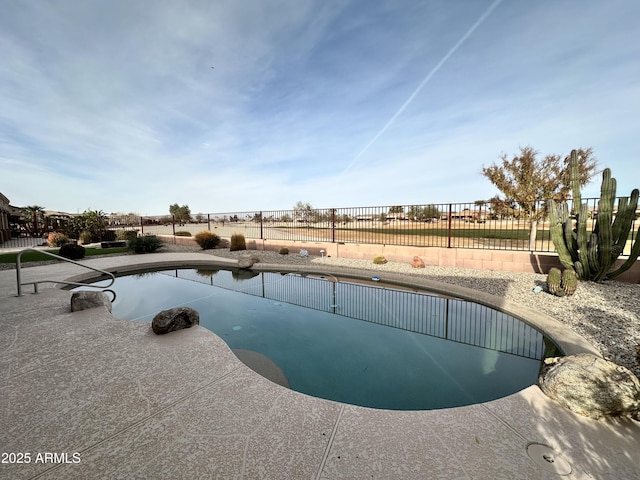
[
  {"x": 591, "y": 386},
  {"x": 86, "y": 300},
  {"x": 174, "y": 319},
  {"x": 247, "y": 261}
]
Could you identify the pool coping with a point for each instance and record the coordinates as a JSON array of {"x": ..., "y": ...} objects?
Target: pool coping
[{"x": 259, "y": 430}]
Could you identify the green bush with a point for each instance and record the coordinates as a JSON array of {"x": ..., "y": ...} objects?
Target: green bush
[
  {"x": 379, "y": 260},
  {"x": 145, "y": 244},
  {"x": 237, "y": 242},
  {"x": 183, "y": 233},
  {"x": 71, "y": 251},
  {"x": 85, "y": 237},
  {"x": 92, "y": 221},
  {"x": 126, "y": 234},
  {"x": 57, "y": 239},
  {"x": 284, "y": 251},
  {"x": 207, "y": 239}
]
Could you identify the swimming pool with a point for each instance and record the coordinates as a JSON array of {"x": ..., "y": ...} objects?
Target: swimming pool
[{"x": 360, "y": 343}]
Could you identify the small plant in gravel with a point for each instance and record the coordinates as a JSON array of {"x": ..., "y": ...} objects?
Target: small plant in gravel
[
  {"x": 207, "y": 239},
  {"x": 379, "y": 260},
  {"x": 183, "y": 233},
  {"x": 72, "y": 251},
  {"x": 57, "y": 239},
  {"x": 569, "y": 281},
  {"x": 238, "y": 242},
  {"x": 284, "y": 251},
  {"x": 145, "y": 244},
  {"x": 554, "y": 280},
  {"x": 561, "y": 283}
]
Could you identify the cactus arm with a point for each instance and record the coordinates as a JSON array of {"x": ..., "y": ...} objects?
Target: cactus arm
[
  {"x": 571, "y": 240},
  {"x": 605, "y": 216},
  {"x": 620, "y": 222},
  {"x": 556, "y": 215},
  {"x": 623, "y": 223},
  {"x": 594, "y": 263},
  {"x": 582, "y": 238},
  {"x": 575, "y": 179},
  {"x": 633, "y": 257},
  {"x": 577, "y": 266}
]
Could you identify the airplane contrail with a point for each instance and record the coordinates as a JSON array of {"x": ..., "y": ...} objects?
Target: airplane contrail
[{"x": 426, "y": 79}]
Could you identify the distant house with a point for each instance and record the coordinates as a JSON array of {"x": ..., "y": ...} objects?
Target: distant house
[
  {"x": 5, "y": 230},
  {"x": 477, "y": 215}
]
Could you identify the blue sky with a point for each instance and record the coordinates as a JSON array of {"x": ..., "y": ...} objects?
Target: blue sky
[{"x": 114, "y": 105}]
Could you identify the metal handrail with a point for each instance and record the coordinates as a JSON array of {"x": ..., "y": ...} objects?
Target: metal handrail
[{"x": 77, "y": 284}]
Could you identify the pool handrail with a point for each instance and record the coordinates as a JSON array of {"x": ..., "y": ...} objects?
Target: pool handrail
[{"x": 77, "y": 284}]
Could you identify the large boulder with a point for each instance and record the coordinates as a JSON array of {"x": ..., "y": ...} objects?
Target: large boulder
[
  {"x": 247, "y": 261},
  {"x": 84, "y": 300},
  {"x": 591, "y": 386},
  {"x": 174, "y": 319}
]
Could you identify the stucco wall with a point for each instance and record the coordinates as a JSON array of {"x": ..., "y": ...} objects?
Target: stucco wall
[{"x": 499, "y": 260}]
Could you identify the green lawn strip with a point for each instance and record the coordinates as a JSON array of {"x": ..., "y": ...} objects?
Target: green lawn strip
[
  {"x": 501, "y": 234},
  {"x": 41, "y": 257}
]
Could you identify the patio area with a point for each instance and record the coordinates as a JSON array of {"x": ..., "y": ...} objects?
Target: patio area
[{"x": 107, "y": 398}]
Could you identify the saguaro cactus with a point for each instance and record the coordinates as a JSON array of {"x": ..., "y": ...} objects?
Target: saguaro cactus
[{"x": 592, "y": 255}]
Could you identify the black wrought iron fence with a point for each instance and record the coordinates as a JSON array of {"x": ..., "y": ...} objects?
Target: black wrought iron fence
[{"x": 479, "y": 225}]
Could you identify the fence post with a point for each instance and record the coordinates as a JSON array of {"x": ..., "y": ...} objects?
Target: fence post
[
  {"x": 449, "y": 229},
  {"x": 141, "y": 227},
  {"x": 208, "y": 222},
  {"x": 261, "y": 232},
  {"x": 333, "y": 225}
]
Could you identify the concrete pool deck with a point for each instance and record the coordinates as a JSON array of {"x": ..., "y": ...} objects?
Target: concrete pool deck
[{"x": 112, "y": 400}]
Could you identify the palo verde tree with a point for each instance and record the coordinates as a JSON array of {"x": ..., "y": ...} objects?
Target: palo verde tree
[
  {"x": 529, "y": 181},
  {"x": 181, "y": 213}
]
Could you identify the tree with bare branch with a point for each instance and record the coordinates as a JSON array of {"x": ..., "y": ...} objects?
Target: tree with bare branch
[{"x": 529, "y": 181}]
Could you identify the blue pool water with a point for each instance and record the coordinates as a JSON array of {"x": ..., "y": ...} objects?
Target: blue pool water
[{"x": 368, "y": 345}]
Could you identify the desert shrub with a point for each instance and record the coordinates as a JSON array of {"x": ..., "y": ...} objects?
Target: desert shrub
[
  {"x": 145, "y": 244},
  {"x": 183, "y": 233},
  {"x": 57, "y": 239},
  {"x": 72, "y": 251},
  {"x": 126, "y": 234},
  {"x": 85, "y": 237},
  {"x": 237, "y": 242},
  {"x": 379, "y": 260},
  {"x": 284, "y": 251},
  {"x": 207, "y": 239}
]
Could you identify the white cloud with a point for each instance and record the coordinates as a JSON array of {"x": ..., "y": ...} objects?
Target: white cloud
[{"x": 116, "y": 106}]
